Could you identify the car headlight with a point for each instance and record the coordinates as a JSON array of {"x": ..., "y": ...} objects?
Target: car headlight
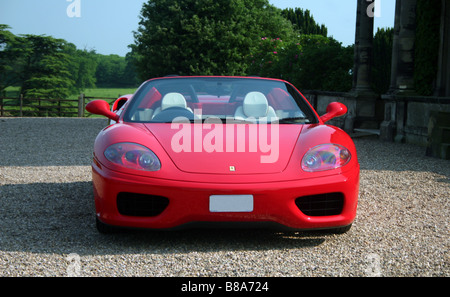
[
  {"x": 132, "y": 155},
  {"x": 325, "y": 157}
]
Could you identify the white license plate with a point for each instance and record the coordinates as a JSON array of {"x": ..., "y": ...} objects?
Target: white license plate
[{"x": 231, "y": 203}]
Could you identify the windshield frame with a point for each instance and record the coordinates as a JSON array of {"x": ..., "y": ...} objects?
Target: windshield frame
[{"x": 310, "y": 116}]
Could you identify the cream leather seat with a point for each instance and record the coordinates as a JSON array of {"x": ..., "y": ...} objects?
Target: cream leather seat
[
  {"x": 172, "y": 100},
  {"x": 255, "y": 106}
]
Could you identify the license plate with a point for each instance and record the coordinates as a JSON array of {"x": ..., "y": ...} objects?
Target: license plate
[{"x": 231, "y": 203}]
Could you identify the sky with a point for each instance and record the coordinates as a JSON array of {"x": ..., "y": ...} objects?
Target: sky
[{"x": 107, "y": 26}]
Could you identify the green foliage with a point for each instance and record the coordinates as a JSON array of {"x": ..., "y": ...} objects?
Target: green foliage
[
  {"x": 304, "y": 22},
  {"x": 83, "y": 68},
  {"x": 327, "y": 67},
  {"x": 46, "y": 67},
  {"x": 207, "y": 37},
  {"x": 115, "y": 71},
  {"x": 312, "y": 62},
  {"x": 130, "y": 77},
  {"x": 427, "y": 45},
  {"x": 107, "y": 69},
  {"x": 10, "y": 51},
  {"x": 382, "y": 60},
  {"x": 237, "y": 37},
  {"x": 265, "y": 60}
]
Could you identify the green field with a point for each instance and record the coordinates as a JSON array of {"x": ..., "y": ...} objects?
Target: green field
[
  {"x": 105, "y": 92},
  {"x": 33, "y": 107},
  {"x": 94, "y": 92},
  {"x": 11, "y": 92}
]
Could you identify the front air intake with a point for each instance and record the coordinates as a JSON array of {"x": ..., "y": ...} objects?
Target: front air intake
[
  {"x": 321, "y": 205},
  {"x": 140, "y": 205}
]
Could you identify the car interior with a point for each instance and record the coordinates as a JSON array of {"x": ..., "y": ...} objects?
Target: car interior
[{"x": 242, "y": 102}]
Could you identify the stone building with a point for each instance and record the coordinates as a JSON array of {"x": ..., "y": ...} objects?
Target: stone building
[{"x": 401, "y": 115}]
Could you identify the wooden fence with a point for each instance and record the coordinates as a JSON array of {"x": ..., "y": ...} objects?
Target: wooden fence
[{"x": 39, "y": 107}]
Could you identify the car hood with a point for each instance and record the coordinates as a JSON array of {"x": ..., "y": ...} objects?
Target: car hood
[{"x": 227, "y": 148}]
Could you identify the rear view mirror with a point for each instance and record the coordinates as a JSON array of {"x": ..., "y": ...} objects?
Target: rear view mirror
[
  {"x": 334, "y": 109},
  {"x": 101, "y": 107}
]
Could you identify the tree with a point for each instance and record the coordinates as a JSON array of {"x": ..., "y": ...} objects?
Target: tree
[
  {"x": 45, "y": 71},
  {"x": 116, "y": 71},
  {"x": 11, "y": 50},
  {"x": 109, "y": 70},
  {"x": 304, "y": 22},
  {"x": 427, "y": 46},
  {"x": 83, "y": 68},
  {"x": 324, "y": 64},
  {"x": 382, "y": 60},
  {"x": 208, "y": 37},
  {"x": 130, "y": 77},
  {"x": 43, "y": 66},
  {"x": 311, "y": 62}
]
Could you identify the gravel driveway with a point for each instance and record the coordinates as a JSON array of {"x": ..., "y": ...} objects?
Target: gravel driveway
[{"x": 47, "y": 218}]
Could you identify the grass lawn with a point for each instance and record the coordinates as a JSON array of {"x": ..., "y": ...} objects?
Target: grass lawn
[
  {"x": 94, "y": 92},
  {"x": 11, "y": 92},
  {"x": 105, "y": 92},
  {"x": 44, "y": 108}
]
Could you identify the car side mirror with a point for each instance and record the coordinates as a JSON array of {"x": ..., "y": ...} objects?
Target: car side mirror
[
  {"x": 101, "y": 107},
  {"x": 119, "y": 103},
  {"x": 334, "y": 109}
]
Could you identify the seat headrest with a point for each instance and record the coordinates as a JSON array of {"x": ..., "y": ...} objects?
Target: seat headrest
[
  {"x": 255, "y": 105},
  {"x": 173, "y": 100}
]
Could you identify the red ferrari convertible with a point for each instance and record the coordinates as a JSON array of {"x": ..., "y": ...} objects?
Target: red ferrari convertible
[{"x": 213, "y": 151}]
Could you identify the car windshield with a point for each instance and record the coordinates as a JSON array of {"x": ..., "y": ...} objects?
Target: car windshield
[{"x": 227, "y": 99}]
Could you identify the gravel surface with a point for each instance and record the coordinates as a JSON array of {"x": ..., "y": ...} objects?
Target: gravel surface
[{"x": 47, "y": 218}]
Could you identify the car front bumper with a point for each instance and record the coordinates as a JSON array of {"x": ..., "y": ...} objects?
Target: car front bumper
[{"x": 272, "y": 203}]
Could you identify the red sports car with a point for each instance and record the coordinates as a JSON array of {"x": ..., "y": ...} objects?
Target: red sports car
[{"x": 213, "y": 150}]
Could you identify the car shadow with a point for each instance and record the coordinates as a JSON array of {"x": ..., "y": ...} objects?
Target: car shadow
[{"x": 60, "y": 218}]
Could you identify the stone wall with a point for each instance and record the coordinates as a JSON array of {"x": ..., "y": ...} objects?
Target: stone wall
[
  {"x": 407, "y": 118},
  {"x": 400, "y": 118},
  {"x": 365, "y": 111}
]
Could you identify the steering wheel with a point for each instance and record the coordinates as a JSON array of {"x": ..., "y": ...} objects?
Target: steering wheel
[{"x": 171, "y": 113}]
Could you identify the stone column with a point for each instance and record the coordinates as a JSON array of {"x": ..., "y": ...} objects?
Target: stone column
[
  {"x": 443, "y": 77},
  {"x": 362, "y": 108},
  {"x": 402, "y": 71},
  {"x": 404, "y": 66},
  {"x": 363, "y": 48},
  {"x": 393, "y": 85}
]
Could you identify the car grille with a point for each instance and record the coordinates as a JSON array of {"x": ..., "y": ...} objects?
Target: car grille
[
  {"x": 321, "y": 205},
  {"x": 140, "y": 205}
]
